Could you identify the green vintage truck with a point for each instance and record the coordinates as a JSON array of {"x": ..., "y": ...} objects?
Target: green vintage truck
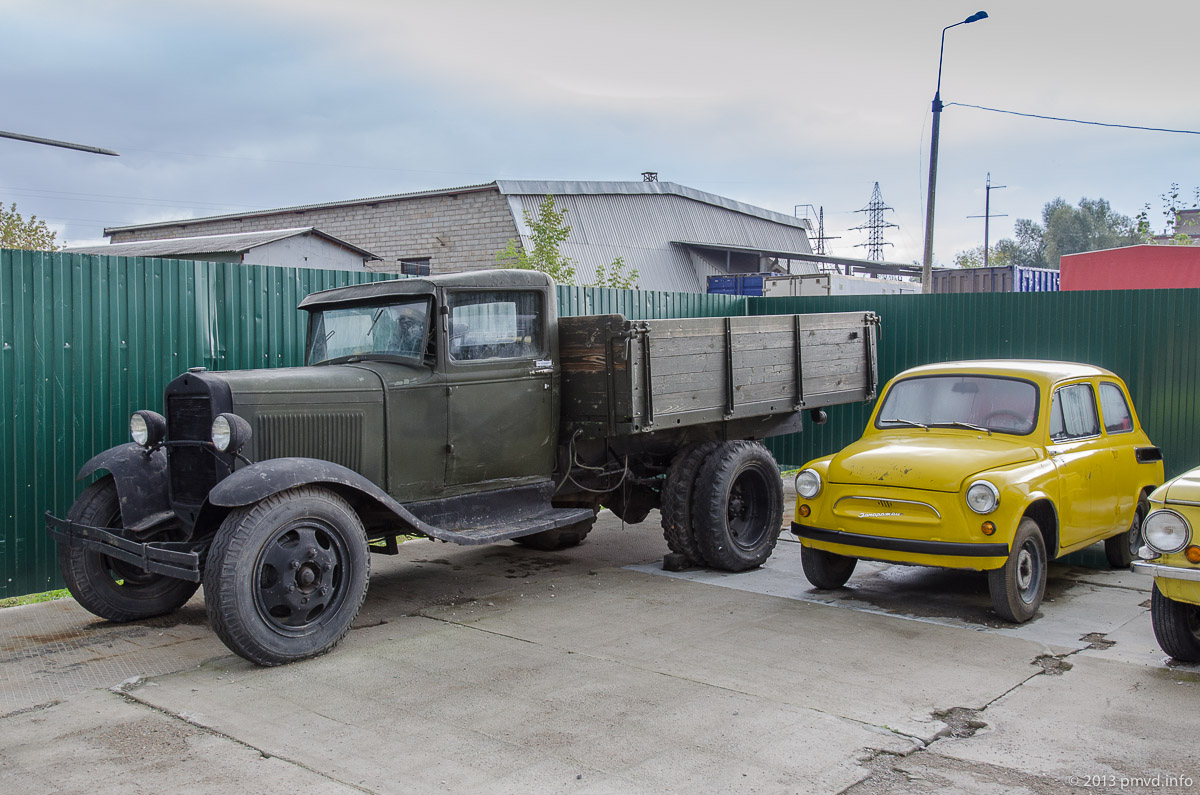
[{"x": 459, "y": 408}]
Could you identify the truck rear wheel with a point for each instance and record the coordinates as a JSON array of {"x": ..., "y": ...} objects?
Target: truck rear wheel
[
  {"x": 676, "y": 508},
  {"x": 105, "y": 586},
  {"x": 563, "y": 538},
  {"x": 286, "y": 576},
  {"x": 737, "y": 506}
]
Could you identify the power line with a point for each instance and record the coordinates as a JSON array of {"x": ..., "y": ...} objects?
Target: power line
[{"x": 1075, "y": 121}]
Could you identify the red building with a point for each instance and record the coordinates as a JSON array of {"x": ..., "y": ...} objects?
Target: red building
[{"x": 1131, "y": 268}]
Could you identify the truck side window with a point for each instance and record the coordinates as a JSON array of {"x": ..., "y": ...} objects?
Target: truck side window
[
  {"x": 1117, "y": 417},
  {"x": 495, "y": 324},
  {"x": 1073, "y": 413}
]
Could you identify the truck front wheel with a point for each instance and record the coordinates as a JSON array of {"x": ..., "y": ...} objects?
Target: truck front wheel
[
  {"x": 105, "y": 586},
  {"x": 286, "y": 576},
  {"x": 737, "y": 506}
]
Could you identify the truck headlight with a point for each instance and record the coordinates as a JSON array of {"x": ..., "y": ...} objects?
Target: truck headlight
[
  {"x": 230, "y": 433},
  {"x": 982, "y": 497},
  {"x": 1165, "y": 531},
  {"x": 808, "y": 483},
  {"x": 147, "y": 428}
]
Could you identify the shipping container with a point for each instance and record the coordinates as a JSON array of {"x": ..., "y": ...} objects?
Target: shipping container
[
  {"x": 997, "y": 279},
  {"x": 806, "y": 284}
]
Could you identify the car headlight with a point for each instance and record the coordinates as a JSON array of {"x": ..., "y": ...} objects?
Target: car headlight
[
  {"x": 230, "y": 433},
  {"x": 982, "y": 497},
  {"x": 1166, "y": 531},
  {"x": 147, "y": 428},
  {"x": 808, "y": 483}
]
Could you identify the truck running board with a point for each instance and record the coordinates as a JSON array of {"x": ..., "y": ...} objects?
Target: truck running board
[{"x": 489, "y": 516}]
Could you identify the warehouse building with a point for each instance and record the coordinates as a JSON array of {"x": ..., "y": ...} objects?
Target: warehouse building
[{"x": 673, "y": 235}]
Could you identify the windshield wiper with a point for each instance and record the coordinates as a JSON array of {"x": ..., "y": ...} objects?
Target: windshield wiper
[
  {"x": 375, "y": 320},
  {"x": 962, "y": 424},
  {"x": 913, "y": 423}
]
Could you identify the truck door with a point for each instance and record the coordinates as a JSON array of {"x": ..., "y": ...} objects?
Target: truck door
[{"x": 502, "y": 421}]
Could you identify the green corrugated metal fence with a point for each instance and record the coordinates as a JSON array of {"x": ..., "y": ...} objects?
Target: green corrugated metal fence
[
  {"x": 1148, "y": 337},
  {"x": 84, "y": 341}
]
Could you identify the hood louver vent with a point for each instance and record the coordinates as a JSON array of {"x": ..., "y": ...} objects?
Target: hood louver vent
[{"x": 329, "y": 436}]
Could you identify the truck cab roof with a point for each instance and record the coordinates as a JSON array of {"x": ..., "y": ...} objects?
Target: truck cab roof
[{"x": 481, "y": 280}]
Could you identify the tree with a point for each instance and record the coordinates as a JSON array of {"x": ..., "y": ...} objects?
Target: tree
[
  {"x": 31, "y": 235},
  {"x": 1172, "y": 206},
  {"x": 548, "y": 230}
]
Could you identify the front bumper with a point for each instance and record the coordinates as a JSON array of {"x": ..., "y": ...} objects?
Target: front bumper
[
  {"x": 1166, "y": 572},
  {"x": 178, "y": 559},
  {"x": 904, "y": 545}
]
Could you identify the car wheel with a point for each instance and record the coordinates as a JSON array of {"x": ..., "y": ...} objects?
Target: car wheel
[
  {"x": 1121, "y": 550},
  {"x": 562, "y": 538},
  {"x": 676, "y": 509},
  {"x": 108, "y": 587},
  {"x": 1176, "y": 626},
  {"x": 286, "y": 576},
  {"x": 1017, "y": 587},
  {"x": 825, "y": 570},
  {"x": 737, "y": 506}
]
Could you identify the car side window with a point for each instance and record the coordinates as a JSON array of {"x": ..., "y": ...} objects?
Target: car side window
[
  {"x": 1073, "y": 413},
  {"x": 1117, "y": 416},
  {"x": 495, "y": 324}
]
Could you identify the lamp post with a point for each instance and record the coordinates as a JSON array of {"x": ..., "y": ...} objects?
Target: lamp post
[{"x": 927, "y": 263}]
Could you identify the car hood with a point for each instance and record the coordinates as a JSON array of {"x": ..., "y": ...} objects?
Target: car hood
[
  {"x": 1185, "y": 488},
  {"x": 933, "y": 460}
]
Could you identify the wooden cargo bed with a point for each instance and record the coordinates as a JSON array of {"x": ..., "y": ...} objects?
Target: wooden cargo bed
[{"x": 623, "y": 377}]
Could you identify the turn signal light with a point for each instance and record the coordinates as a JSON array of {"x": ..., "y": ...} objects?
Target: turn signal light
[
  {"x": 1192, "y": 553},
  {"x": 804, "y": 510},
  {"x": 988, "y": 528}
]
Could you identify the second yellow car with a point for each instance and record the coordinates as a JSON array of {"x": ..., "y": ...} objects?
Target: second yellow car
[{"x": 996, "y": 465}]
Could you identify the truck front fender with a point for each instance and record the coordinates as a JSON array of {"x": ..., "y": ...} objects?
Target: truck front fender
[
  {"x": 258, "y": 481},
  {"x": 141, "y": 481}
]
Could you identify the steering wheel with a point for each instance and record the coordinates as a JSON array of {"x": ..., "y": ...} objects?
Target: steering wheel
[{"x": 1018, "y": 420}]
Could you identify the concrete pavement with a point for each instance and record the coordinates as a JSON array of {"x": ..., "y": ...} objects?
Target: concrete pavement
[{"x": 501, "y": 669}]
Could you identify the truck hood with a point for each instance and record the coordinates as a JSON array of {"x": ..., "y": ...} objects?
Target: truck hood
[
  {"x": 1185, "y": 488},
  {"x": 302, "y": 386},
  {"x": 932, "y": 460}
]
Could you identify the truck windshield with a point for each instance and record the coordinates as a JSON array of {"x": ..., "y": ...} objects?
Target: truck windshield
[
  {"x": 971, "y": 402},
  {"x": 399, "y": 329}
]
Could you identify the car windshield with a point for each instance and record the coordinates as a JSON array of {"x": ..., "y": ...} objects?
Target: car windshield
[
  {"x": 394, "y": 330},
  {"x": 976, "y": 402}
]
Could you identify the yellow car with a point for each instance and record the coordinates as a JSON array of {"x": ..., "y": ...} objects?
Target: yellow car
[
  {"x": 1172, "y": 550},
  {"x": 996, "y": 466}
]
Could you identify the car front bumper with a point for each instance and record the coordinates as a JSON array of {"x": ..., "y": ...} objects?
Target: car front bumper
[
  {"x": 1166, "y": 572},
  {"x": 924, "y": 552}
]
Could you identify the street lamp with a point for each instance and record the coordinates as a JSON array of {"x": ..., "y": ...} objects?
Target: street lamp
[{"x": 927, "y": 263}]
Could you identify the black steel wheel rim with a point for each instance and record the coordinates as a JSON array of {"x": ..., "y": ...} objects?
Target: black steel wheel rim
[
  {"x": 1029, "y": 572},
  {"x": 300, "y": 576},
  {"x": 747, "y": 509},
  {"x": 122, "y": 576}
]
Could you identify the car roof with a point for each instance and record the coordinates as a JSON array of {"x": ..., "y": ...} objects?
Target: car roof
[
  {"x": 1038, "y": 370},
  {"x": 485, "y": 279}
]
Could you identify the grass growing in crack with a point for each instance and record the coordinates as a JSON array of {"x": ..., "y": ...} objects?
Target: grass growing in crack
[{"x": 34, "y": 598}]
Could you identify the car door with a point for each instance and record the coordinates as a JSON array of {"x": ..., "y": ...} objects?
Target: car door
[
  {"x": 501, "y": 418},
  {"x": 1117, "y": 419},
  {"x": 1083, "y": 464}
]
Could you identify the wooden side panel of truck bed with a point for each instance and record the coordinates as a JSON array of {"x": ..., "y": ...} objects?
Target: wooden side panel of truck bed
[{"x": 627, "y": 377}]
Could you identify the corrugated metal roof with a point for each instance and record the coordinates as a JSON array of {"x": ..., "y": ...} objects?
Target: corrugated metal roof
[
  {"x": 237, "y": 243},
  {"x": 510, "y": 187},
  {"x": 109, "y": 230}
]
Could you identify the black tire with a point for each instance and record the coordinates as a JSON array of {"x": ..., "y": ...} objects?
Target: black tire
[
  {"x": 1121, "y": 550},
  {"x": 286, "y": 576},
  {"x": 1018, "y": 586},
  {"x": 825, "y": 570},
  {"x": 110, "y": 588},
  {"x": 676, "y": 511},
  {"x": 563, "y": 538},
  {"x": 1176, "y": 626},
  {"x": 737, "y": 506}
]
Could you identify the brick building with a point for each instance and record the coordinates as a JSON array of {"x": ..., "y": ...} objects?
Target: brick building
[{"x": 673, "y": 235}]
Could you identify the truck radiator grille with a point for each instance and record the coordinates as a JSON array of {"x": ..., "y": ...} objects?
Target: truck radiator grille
[
  {"x": 193, "y": 469},
  {"x": 328, "y": 436}
]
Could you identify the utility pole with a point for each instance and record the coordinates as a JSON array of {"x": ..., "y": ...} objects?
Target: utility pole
[{"x": 987, "y": 213}]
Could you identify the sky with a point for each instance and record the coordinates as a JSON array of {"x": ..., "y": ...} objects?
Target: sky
[{"x": 222, "y": 107}]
